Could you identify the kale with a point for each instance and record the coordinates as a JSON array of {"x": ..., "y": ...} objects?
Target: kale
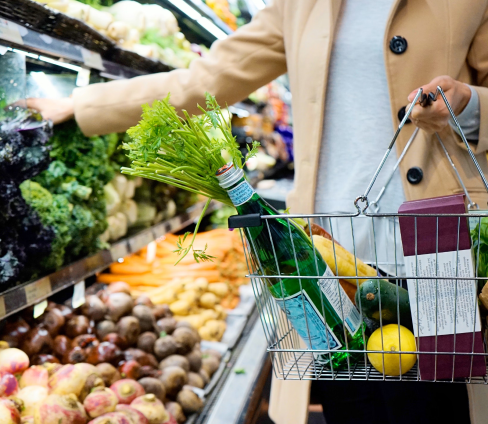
[
  {"x": 78, "y": 172},
  {"x": 480, "y": 244}
]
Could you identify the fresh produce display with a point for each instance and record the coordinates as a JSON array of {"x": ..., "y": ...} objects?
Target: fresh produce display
[
  {"x": 146, "y": 29},
  {"x": 116, "y": 356},
  {"x": 25, "y": 237},
  {"x": 75, "y": 178},
  {"x": 196, "y": 293}
]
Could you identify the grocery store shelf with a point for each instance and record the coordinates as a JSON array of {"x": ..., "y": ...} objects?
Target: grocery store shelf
[
  {"x": 32, "y": 27},
  {"x": 31, "y": 293}
]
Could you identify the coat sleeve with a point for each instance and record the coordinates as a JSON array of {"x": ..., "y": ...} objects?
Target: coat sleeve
[
  {"x": 478, "y": 60},
  {"x": 235, "y": 67}
]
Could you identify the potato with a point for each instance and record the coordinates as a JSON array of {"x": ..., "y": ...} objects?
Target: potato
[
  {"x": 167, "y": 325},
  {"x": 189, "y": 401},
  {"x": 209, "y": 314},
  {"x": 190, "y": 296},
  {"x": 208, "y": 300},
  {"x": 175, "y": 360},
  {"x": 180, "y": 307},
  {"x": 164, "y": 347},
  {"x": 195, "y": 380},
  {"x": 173, "y": 378},
  {"x": 195, "y": 360},
  {"x": 154, "y": 386},
  {"x": 219, "y": 289},
  {"x": 175, "y": 409},
  {"x": 185, "y": 339},
  {"x": 210, "y": 364},
  {"x": 222, "y": 314}
]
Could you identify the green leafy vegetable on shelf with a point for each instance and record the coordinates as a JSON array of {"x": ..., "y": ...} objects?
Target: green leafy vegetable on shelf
[
  {"x": 481, "y": 244},
  {"x": 182, "y": 152},
  {"x": 54, "y": 211},
  {"x": 79, "y": 172}
]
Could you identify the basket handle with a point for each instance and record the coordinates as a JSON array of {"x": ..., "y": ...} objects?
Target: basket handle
[{"x": 425, "y": 100}]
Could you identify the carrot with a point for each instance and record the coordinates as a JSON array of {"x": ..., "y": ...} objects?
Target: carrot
[
  {"x": 133, "y": 280},
  {"x": 128, "y": 268}
]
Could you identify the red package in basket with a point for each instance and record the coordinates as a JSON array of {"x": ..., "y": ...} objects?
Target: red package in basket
[{"x": 445, "y": 313}]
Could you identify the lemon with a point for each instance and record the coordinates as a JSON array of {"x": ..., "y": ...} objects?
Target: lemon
[{"x": 392, "y": 343}]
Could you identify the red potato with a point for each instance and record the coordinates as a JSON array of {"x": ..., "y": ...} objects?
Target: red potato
[
  {"x": 36, "y": 375},
  {"x": 13, "y": 361},
  {"x": 99, "y": 402},
  {"x": 127, "y": 390},
  {"x": 57, "y": 409},
  {"x": 130, "y": 369},
  {"x": 15, "y": 331}
]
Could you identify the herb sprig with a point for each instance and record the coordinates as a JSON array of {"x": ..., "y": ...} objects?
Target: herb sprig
[{"x": 181, "y": 151}]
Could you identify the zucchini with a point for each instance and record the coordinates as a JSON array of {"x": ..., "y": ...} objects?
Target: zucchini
[{"x": 369, "y": 294}]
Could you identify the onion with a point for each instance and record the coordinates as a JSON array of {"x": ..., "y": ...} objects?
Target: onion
[
  {"x": 37, "y": 375},
  {"x": 13, "y": 361},
  {"x": 32, "y": 396},
  {"x": 152, "y": 408},
  {"x": 127, "y": 390},
  {"x": 8, "y": 385},
  {"x": 100, "y": 402},
  {"x": 9, "y": 413},
  {"x": 60, "y": 409}
]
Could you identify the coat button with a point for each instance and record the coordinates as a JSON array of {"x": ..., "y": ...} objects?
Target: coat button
[
  {"x": 401, "y": 115},
  {"x": 398, "y": 45},
  {"x": 415, "y": 175}
]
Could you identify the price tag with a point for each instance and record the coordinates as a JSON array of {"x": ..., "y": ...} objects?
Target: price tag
[
  {"x": 38, "y": 290},
  {"x": 118, "y": 250},
  {"x": 2, "y": 307},
  {"x": 92, "y": 59},
  {"x": 40, "y": 308},
  {"x": 83, "y": 78},
  {"x": 10, "y": 32},
  {"x": 151, "y": 252},
  {"x": 3, "y": 49},
  {"x": 78, "y": 294}
]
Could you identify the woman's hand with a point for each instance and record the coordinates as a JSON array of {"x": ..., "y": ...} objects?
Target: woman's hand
[
  {"x": 435, "y": 118},
  {"x": 57, "y": 110}
]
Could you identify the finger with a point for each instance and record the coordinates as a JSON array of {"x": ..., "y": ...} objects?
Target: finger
[{"x": 445, "y": 81}]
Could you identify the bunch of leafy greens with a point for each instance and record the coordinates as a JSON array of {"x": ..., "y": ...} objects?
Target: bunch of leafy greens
[
  {"x": 479, "y": 238},
  {"x": 182, "y": 152},
  {"x": 78, "y": 172},
  {"x": 54, "y": 211}
]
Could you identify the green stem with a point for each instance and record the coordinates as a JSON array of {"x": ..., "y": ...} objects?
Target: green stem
[{"x": 187, "y": 250}]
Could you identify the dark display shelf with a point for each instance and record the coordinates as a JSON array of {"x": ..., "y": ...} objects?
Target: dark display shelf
[{"x": 31, "y": 293}]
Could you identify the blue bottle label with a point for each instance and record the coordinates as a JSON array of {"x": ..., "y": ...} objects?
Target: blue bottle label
[
  {"x": 308, "y": 322},
  {"x": 241, "y": 194}
]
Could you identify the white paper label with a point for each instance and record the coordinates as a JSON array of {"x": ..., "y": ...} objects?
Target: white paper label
[
  {"x": 39, "y": 309},
  {"x": 10, "y": 31},
  {"x": 78, "y": 294},
  {"x": 339, "y": 300},
  {"x": 457, "y": 303},
  {"x": 92, "y": 59}
]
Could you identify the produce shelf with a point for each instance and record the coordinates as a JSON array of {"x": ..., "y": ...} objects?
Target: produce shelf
[
  {"x": 33, "y": 292},
  {"x": 29, "y": 26}
]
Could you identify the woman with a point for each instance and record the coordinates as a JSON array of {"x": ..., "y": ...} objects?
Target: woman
[{"x": 353, "y": 67}]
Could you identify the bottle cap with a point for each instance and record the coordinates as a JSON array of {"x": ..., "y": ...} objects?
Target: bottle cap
[{"x": 228, "y": 175}]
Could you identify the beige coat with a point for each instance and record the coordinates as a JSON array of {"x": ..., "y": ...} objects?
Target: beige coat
[{"x": 295, "y": 36}]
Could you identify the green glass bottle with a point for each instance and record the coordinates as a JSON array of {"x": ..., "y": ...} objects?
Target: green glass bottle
[{"x": 313, "y": 306}]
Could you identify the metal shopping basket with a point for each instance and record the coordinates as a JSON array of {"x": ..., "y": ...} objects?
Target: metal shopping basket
[{"x": 449, "y": 340}]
